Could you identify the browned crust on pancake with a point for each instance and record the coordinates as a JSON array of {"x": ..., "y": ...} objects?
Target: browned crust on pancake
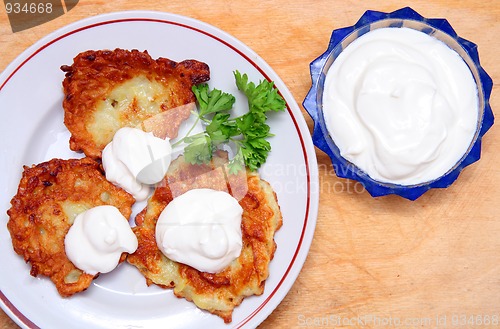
[
  {"x": 38, "y": 223},
  {"x": 217, "y": 293},
  {"x": 94, "y": 74}
]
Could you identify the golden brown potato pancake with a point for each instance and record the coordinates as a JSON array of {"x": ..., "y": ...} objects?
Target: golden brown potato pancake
[
  {"x": 217, "y": 293},
  {"x": 49, "y": 197},
  {"x": 108, "y": 89}
]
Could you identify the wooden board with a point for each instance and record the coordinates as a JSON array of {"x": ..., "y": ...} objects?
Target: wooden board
[{"x": 426, "y": 264}]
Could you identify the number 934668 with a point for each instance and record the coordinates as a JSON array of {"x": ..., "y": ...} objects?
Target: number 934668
[{"x": 28, "y": 8}]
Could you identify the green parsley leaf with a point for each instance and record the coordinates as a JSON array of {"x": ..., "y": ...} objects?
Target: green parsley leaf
[
  {"x": 212, "y": 101},
  {"x": 261, "y": 98},
  {"x": 199, "y": 149},
  {"x": 236, "y": 164},
  {"x": 255, "y": 152},
  {"x": 249, "y": 132}
]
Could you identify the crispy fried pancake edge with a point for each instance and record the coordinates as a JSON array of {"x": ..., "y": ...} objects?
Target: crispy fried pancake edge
[
  {"x": 93, "y": 76},
  {"x": 217, "y": 293},
  {"x": 49, "y": 196}
]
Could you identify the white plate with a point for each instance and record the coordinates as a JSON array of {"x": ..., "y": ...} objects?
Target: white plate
[{"x": 32, "y": 131}]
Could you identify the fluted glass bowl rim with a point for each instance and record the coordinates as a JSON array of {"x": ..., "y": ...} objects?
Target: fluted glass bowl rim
[{"x": 405, "y": 17}]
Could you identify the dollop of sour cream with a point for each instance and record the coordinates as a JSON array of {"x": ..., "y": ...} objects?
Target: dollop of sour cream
[
  {"x": 400, "y": 105},
  {"x": 201, "y": 228},
  {"x": 97, "y": 239},
  {"x": 136, "y": 159}
]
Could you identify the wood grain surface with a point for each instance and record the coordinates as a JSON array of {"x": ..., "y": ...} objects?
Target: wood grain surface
[{"x": 373, "y": 261}]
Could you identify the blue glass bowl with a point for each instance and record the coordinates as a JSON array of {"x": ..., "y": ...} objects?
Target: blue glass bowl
[{"x": 405, "y": 17}]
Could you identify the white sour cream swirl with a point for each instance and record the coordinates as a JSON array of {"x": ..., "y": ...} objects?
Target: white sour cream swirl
[
  {"x": 136, "y": 159},
  {"x": 97, "y": 239},
  {"x": 400, "y": 105},
  {"x": 201, "y": 228}
]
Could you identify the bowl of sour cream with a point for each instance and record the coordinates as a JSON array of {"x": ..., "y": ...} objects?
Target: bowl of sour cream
[{"x": 399, "y": 103}]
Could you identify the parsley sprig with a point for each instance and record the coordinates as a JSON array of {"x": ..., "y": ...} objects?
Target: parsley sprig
[{"x": 248, "y": 132}]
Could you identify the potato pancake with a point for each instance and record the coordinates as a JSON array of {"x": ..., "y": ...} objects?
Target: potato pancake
[
  {"x": 106, "y": 90},
  {"x": 49, "y": 197},
  {"x": 221, "y": 292}
]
